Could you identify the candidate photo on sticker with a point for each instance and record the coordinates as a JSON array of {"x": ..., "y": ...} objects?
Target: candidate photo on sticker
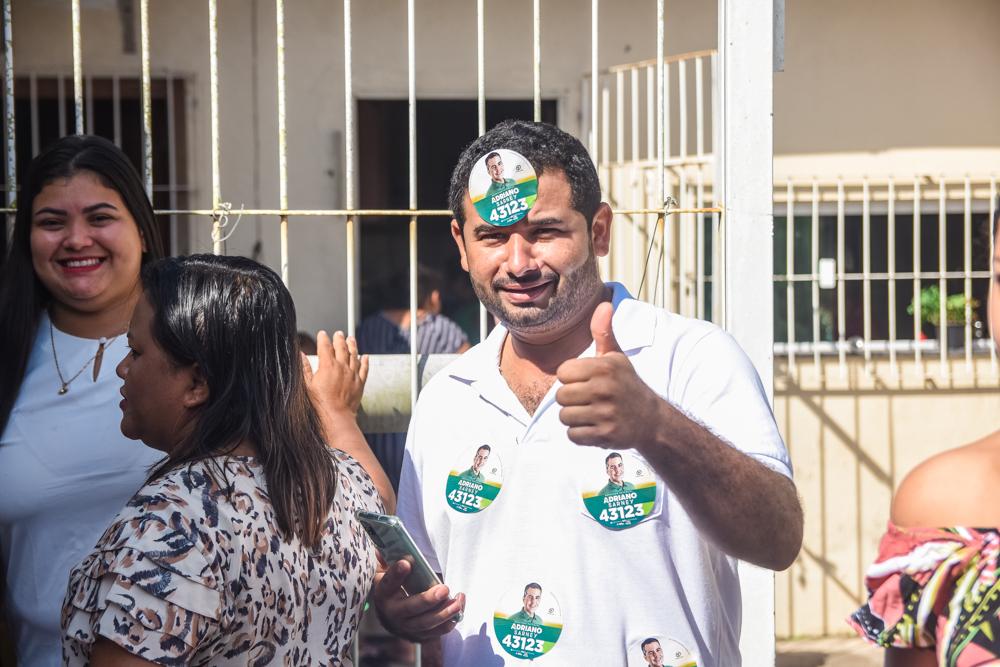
[
  {"x": 475, "y": 480},
  {"x": 503, "y": 187},
  {"x": 656, "y": 651},
  {"x": 534, "y": 628},
  {"x": 619, "y": 491}
]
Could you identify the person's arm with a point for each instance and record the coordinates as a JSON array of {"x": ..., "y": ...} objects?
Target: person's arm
[
  {"x": 910, "y": 657},
  {"x": 336, "y": 390},
  {"x": 748, "y": 510},
  {"x": 106, "y": 653}
]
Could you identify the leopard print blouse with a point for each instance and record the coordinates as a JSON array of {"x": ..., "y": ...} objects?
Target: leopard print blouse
[{"x": 188, "y": 574}]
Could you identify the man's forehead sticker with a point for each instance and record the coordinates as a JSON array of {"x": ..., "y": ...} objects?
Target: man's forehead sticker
[{"x": 503, "y": 187}]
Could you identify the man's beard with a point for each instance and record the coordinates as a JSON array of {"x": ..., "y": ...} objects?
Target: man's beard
[{"x": 572, "y": 291}]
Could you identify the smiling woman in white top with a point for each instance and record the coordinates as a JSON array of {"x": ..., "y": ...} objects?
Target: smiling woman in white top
[{"x": 83, "y": 229}]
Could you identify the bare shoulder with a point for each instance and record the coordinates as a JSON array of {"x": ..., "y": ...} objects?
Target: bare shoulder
[{"x": 959, "y": 487}]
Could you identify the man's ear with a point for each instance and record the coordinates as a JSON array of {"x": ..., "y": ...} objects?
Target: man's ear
[
  {"x": 600, "y": 230},
  {"x": 196, "y": 393},
  {"x": 456, "y": 234}
]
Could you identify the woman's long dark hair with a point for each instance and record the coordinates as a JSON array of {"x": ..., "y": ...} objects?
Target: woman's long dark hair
[
  {"x": 235, "y": 319},
  {"x": 22, "y": 294}
]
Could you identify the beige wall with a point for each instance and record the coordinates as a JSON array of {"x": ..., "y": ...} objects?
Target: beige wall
[{"x": 853, "y": 437}]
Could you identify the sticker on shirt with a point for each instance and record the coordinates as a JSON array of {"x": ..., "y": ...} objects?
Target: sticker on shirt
[
  {"x": 528, "y": 621},
  {"x": 660, "y": 651},
  {"x": 620, "y": 492},
  {"x": 474, "y": 483},
  {"x": 503, "y": 187}
]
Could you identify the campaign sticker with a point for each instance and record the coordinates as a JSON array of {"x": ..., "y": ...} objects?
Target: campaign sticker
[
  {"x": 620, "y": 491},
  {"x": 659, "y": 651},
  {"x": 474, "y": 483},
  {"x": 528, "y": 621},
  {"x": 503, "y": 187}
]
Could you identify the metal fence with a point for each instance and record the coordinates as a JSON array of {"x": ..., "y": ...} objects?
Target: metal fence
[
  {"x": 652, "y": 213},
  {"x": 853, "y": 258}
]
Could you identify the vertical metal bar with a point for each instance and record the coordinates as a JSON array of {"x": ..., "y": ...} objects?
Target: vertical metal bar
[
  {"x": 33, "y": 95},
  {"x": 790, "y": 271},
  {"x": 213, "y": 76},
  {"x": 866, "y": 269},
  {"x": 942, "y": 282},
  {"x": 88, "y": 96},
  {"x": 481, "y": 64},
  {"x": 682, "y": 107},
  {"x": 682, "y": 245},
  {"x": 605, "y": 156},
  {"x": 9, "y": 115},
  {"x": 412, "y": 122},
  {"x": 967, "y": 220},
  {"x": 917, "y": 314},
  {"x": 77, "y": 68},
  {"x": 651, "y": 116},
  {"x": 594, "y": 11},
  {"x": 993, "y": 283},
  {"x": 699, "y": 106},
  {"x": 172, "y": 163},
  {"x": 605, "y": 153},
  {"x": 699, "y": 220},
  {"x": 116, "y": 109},
  {"x": 620, "y": 116},
  {"x": 279, "y": 11},
  {"x": 841, "y": 282},
  {"x": 481, "y": 95},
  {"x": 891, "y": 243},
  {"x": 349, "y": 229},
  {"x": 814, "y": 282},
  {"x": 536, "y": 21},
  {"x": 634, "y": 91},
  {"x": 662, "y": 131},
  {"x": 61, "y": 101},
  {"x": 717, "y": 236},
  {"x": 147, "y": 99}
]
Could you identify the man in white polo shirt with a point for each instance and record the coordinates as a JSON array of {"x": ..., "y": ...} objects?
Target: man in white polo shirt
[{"x": 578, "y": 368}]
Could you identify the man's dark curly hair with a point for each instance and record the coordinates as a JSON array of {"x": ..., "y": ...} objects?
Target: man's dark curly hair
[{"x": 546, "y": 147}]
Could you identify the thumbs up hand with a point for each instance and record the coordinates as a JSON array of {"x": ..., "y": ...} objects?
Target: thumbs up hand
[{"x": 604, "y": 402}]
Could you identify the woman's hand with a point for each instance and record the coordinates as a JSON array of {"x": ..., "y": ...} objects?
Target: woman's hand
[
  {"x": 336, "y": 388},
  {"x": 338, "y": 384}
]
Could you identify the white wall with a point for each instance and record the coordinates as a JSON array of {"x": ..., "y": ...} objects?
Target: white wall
[{"x": 868, "y": 88}]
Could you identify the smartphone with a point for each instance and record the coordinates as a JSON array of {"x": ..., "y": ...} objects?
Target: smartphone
[{"x": 394, "y": 543}]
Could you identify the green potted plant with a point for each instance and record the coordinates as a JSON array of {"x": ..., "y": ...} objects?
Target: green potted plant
[{"x": 954, "y": 309}]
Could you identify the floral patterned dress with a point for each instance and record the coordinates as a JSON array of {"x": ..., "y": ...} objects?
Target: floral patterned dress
[
  {"x": 188, "y": 574},
  {"x": 935, "y": 588}
]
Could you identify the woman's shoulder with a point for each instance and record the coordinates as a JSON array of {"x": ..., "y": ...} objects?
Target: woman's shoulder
[
  {"x": 355, "y": 483},
  {"x": 952, "y": 488}
]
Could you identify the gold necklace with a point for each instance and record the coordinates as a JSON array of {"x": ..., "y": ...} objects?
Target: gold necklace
[{"x": 98, "y": 357}]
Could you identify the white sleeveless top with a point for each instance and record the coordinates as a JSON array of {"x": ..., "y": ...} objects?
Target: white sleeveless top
[{"x": 65, "y": 472}]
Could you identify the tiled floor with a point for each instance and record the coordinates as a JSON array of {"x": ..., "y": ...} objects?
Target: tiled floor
[{"x": 838, "y": 652}]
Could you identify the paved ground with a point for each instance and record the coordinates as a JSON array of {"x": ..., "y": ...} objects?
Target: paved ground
[{"x": 840, "y": 652}]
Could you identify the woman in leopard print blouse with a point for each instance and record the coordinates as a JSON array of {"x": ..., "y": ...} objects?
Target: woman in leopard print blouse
[{"x": 242, "y": 547}]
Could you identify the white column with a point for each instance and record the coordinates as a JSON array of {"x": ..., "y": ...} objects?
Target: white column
[{"x": 744, "y": 183}]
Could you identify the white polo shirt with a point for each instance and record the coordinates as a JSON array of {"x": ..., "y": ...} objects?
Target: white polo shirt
[{"x": 615, "y": 569}]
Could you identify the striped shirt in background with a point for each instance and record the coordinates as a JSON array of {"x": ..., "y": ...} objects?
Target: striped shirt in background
[{"x": 377, "y": 334}]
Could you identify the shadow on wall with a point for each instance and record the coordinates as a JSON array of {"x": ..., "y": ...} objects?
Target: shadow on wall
[{"x": 854, "y": 432}]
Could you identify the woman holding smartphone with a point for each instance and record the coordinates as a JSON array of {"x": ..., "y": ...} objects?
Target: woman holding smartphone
[{"x": 243, "y": 546}]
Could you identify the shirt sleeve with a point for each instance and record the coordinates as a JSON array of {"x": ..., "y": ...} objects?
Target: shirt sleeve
[
  {"x": 409, "y": 502},
  {"x": 717, "y": 385},
  {"x": 147, "y": 586}
]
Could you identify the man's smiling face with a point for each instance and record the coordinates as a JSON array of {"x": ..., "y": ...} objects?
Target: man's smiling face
[{"x": 536, "y": 274}]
